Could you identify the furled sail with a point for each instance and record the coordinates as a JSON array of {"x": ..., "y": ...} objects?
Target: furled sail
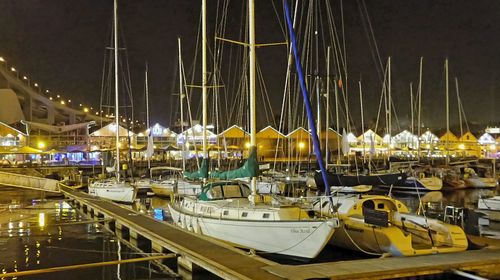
[
  {"x": 201, "y": 173},
  {"x": 248, "y": 170}
]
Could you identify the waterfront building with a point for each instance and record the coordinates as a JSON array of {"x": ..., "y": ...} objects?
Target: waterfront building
[
  {"x": 104, "y": 137},
  {"x": 267, "y": 142},
  {"x": 469, "y": 146}
]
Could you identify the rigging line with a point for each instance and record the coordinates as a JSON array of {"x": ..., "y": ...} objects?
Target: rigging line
[
  {"x": 381, "y": 98},
  {"x": 285, "y": 88},
  {"x": 190, "y": 116},
  {"x": 372, "y": 34},
  {"x": 367, "y": 26}
]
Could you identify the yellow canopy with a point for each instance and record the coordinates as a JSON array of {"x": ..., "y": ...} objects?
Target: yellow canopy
[{"x": 22, "y": 150}]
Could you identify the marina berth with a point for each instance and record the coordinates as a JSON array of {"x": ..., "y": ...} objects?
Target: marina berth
[
  {"x": 380, "y": 225},
  {"x": 271, "y": 226}
]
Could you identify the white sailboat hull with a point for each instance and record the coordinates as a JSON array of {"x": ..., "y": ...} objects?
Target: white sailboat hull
[
  {"x": 479, "y": 182},
  {"x": 116, "y": 191},
  {"x": 492, "y": 203},
  {"x": 301, "y": 239}
]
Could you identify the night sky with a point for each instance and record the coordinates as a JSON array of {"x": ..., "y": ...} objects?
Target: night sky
[{"x": 61, "y": 44}]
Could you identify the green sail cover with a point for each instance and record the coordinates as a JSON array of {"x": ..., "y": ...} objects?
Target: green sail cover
[
  {"x": 249, "y": 169},
  {"x": 200, "y": 173}
]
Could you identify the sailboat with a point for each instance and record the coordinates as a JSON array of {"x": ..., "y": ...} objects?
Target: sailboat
[
  {"x": 376, "y": 225},
  {"x": 114, "y": 188},
  {"x": 234, "y": 212}
]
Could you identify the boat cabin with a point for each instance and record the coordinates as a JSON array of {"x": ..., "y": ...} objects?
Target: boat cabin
[{"x": 224, "y": 190}]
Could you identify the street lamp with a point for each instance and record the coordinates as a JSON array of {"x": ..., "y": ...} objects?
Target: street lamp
[
  {"x": 27, "y": 79},
  {"x": 15, "y": 71},
  {"x": 4, "y": 62}
]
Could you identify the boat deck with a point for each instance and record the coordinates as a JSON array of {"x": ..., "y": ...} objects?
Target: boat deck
[
  {"x": 486, "y": 260},
  {"x": 216, "y": 257}
]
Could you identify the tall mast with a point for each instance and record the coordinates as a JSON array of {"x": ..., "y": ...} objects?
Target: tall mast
[
  {"x": 181, "y": 98},
  {"x": 253, "y": 125},
  {"x": 327, "y": 119},
  {"x": 390, "y": 107},
  {"x": 362, "y": 121},
  {"x": 147, "y": 111},
  {"x": 204, "y": 79},
  {"x": 117, "y": 104},
  {"x": 336, "y": 92},
  {"x": 318, "y": 94},
  {"x": 419, "y": 105},
  {"x": 447, "y": 112},
  {"x": 459, "y": 103},
  {"x": 411, "y": 108}
]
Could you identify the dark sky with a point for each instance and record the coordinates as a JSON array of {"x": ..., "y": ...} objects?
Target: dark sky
[{"x": 60, "y": 44}]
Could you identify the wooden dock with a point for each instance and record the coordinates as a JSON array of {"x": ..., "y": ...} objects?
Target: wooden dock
[
  {"x": 486, "y": 260},
  {"x": 160, "y": 237}
]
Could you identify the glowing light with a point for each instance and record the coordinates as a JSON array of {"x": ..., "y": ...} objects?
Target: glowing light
[
  {"x": 86, "y": 110},
  {"x": 41, "y": 145},
  {"x": 247, "y": 145},
  {"x": 50, "y": 98},
  {"x": 36, "y": 85},
  {"x": 493, "y": 147},
  {"x": 97, "y": 113},
  {"x": 302, "y": 145},
  {"x": 461, "y": 146},
  {"x": 58, "y": 96},
  {"x": 427, "y": 146},
  {"x": 25, "y": 78},
  {"x": 41, "y": 220},
  {"x": 13, "y": 69},
  {"x": 2, "y": 59},
  {"x": 69, "y": 100},
  {"x": 62, "y": 102}
]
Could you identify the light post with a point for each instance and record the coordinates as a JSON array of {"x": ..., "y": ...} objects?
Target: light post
[
  {"x": 38, "y": 87},
  {"x": 15, "y": 71},
  {"x": 28, "y": 80},
  {"x": 4, "y": 62}
]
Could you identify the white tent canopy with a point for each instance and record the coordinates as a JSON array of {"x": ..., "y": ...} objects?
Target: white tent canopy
[
  {"x": 486, "y": 139},
  {"x": 110, "y": 131}
]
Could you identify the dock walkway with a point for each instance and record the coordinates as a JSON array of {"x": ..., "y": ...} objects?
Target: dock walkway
[
  {"x": 216, "y": 257},
  {"x": 486, "y": 260}
]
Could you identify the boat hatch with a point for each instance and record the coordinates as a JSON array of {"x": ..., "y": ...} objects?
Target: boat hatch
[{"x": 376, "y": 217}]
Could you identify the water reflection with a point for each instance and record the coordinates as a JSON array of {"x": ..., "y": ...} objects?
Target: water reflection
[{"x": 33, "y": 236}]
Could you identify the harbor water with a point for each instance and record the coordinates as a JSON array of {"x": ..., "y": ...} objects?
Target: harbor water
[{"x": 38, "y": 231}]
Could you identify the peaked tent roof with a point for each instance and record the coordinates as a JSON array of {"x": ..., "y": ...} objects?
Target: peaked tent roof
[
  {"x": 234, "y": 132},
  {"x": 486, "y": 139},
  {"x": 270, "y": 132},
  {"x": 110, "y": 130},
  {"x": 159, "y": 130},
  {"x": 448, "y": 136},
  {"x": 331, "y": 133},
  {"x": 428, "y": 137},
  {"x": 299, "y": 134},
  {"x": 368, "y": 136},
  {"x": 468, "y": 137},
  {"x": 197, "y": 131}
]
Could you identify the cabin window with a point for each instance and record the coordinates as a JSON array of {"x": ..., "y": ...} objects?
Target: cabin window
[
  {"x": 265, "y": 215},
  {"x": 215, "y": 193},
  {"x": 245, "y": 191},
  {"x": 244, "y": 214},
  {"x": 226, "y": 212},
  {"x": 324, "y": 204},
  {"x": 231, "y": 191},
  {"x": 380, "y": 206}
]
